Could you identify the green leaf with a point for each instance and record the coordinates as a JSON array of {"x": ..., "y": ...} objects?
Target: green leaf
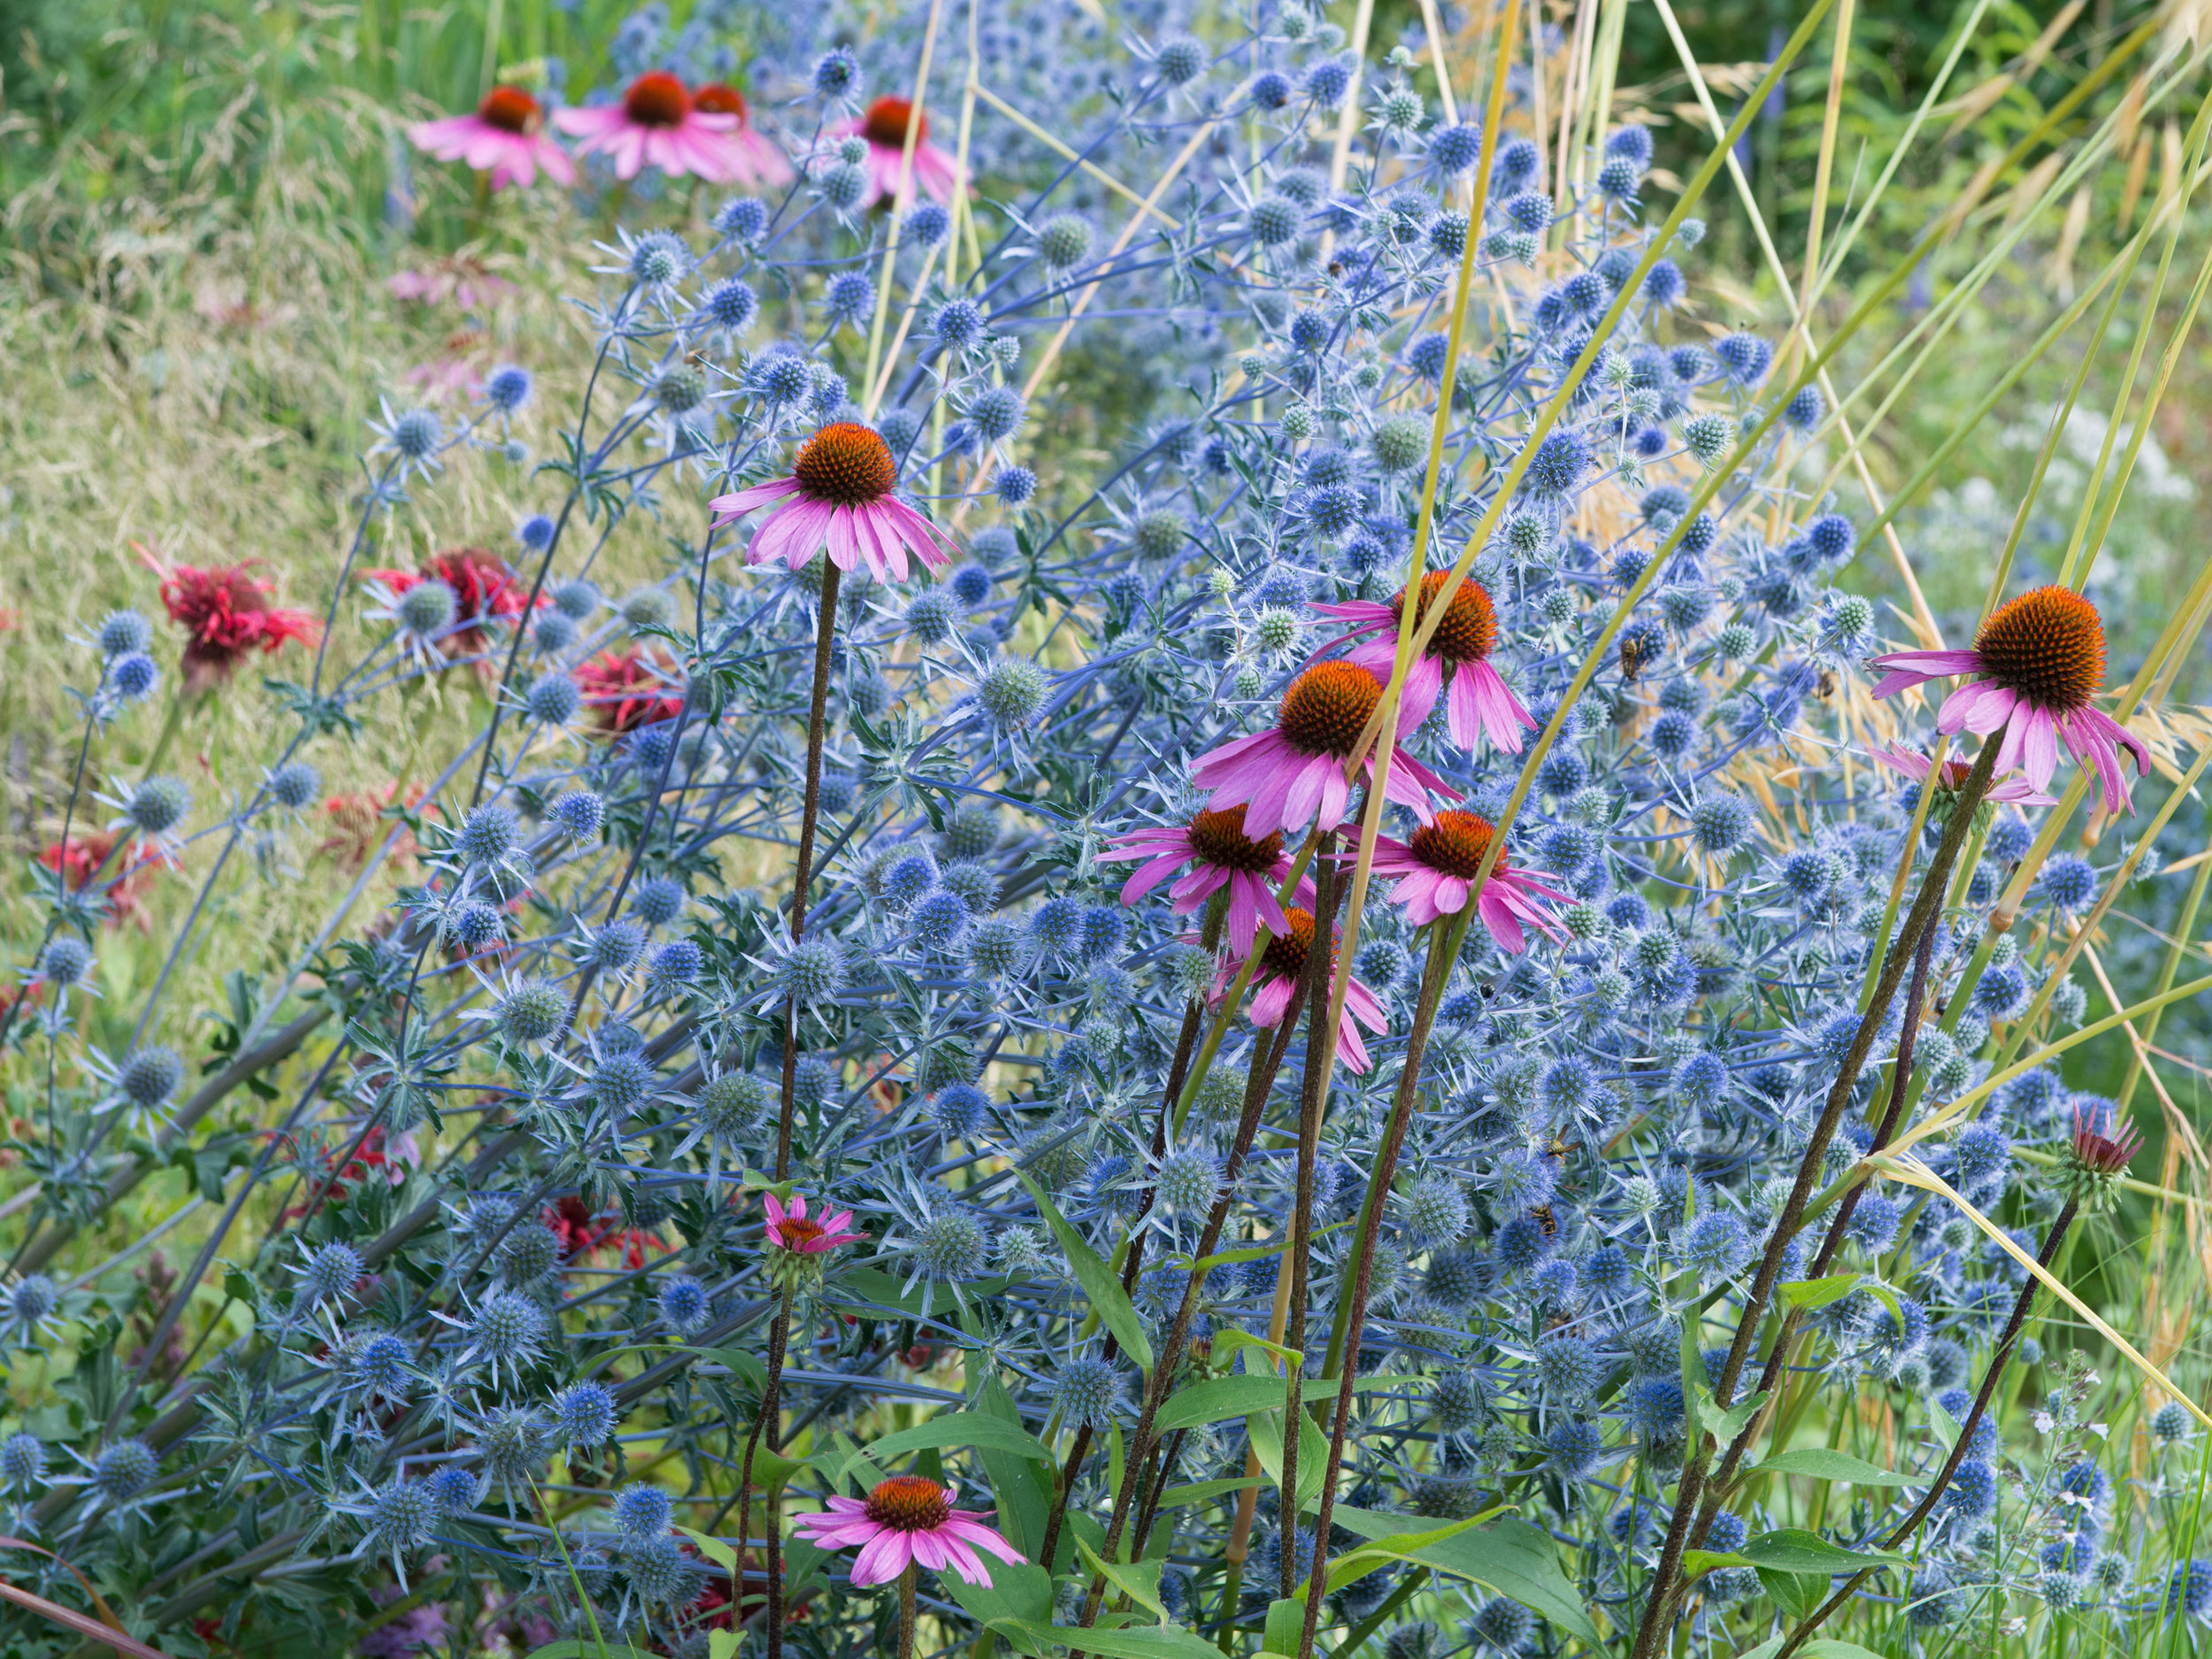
[
  {"x": 1824, "y": 1464},
  {"x": 1165, "y": 1641},
  {"x": 1350, "y": 1568},
  {"x": 722, "y": 1644},
  {"x": 1024, "y": 1494},
  {"x": 1205, "y": 1491},
  {"x": 1286, "y": 1625},
  {"x": 870, "y": 1289},
  {"x": 1805, "y": 1295},
  {"x": 1835, "y": 1648},
  {"x": 569, "y": 1648},
  {"x": 1015, "y": 1596},
  {"x": 1510, "y": 1555},
  {"x": 1139, "y": 1580},
  {"x": 1266, "y": 1431},
  {"x": 1792, "y": 1549},
  {"x": 1240, "y": 1396},
  {"x": 976, "y": 1429},
  {"x": 713, "y": 1548},
  {"x": 1100, "y": 1283},
  {"x": 1796, "y": 1593},
  {"x": 744, "y": 1365}
]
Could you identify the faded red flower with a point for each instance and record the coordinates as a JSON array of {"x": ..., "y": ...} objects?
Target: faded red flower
[
  {"x": 627, "y": 690},
  {"x": 83, "y": 856},
  {"x": 580, "y": 1233},
  {"x": 359, "y": 826},
  {"x": 485, "y": 589},
  {"x": 225, "y": 614}
]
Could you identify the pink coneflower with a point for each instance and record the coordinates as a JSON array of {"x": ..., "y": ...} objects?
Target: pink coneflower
[
  {"x": 1222, "y": 855},
  {"x": 764, "y": 163},
  {"x": 801, "y": 1234},
  {"x": 1281, "y": 971},
  {"x": 1436, "y": 871},
  {"x": 885, "y": 125},
  {"x": 1461, "y": 646},
  {"x": 1294, "y": 775},
  {"x": 907, "y": 1520},
  {"x": 506, "y": 137},
  {"x": 2042, "y": 662},
  {"x": 837, "y": 500},
  {"x": 658, "y": 123},
  {"x": 2012, "y": 791}
]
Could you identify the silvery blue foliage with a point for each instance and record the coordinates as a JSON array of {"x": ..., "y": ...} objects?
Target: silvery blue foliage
[{"x": 522, "y": 1238}]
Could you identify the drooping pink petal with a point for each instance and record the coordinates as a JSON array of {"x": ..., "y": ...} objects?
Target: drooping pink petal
[{"x": 882, "y": 1558}]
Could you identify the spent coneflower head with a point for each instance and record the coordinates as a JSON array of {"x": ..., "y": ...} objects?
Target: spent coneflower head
[
  {"x": 1293, "y": 775},
  {"x": 1480, "y": 701},
  {"x": 2041, "y": 660},
  {"x": 504, "y": 137},
  {"x": 2098, "y": 1153},
  {"x": 837, "y": 500}
]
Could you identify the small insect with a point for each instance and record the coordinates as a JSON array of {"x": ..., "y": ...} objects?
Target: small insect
[{"x": 1542, "y": 1215}]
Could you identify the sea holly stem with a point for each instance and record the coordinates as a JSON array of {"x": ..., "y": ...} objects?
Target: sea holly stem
[
  {"x": 1445, "y": 937},
  {"x": 1922, "y": 918}
]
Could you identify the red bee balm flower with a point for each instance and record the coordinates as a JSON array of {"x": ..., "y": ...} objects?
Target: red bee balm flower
[
  {"x": 226, "y": 615},
  {"x": 628, "y": 691},
  {"x": 1461, "y": 647},
  {"x": 885, "y": 127},
  {"x": 1282, "y": 969},
  {"x": 2042, "y": 659},
  {"x": 837, "y": 500},
  {"x": 506, "y": 137},
  {"x": 660, "y": 123},
  {"x": 1224, "y": 857},
  {"x": 485, "y": 589},
  {"x": 1294, "y": 775},
  {"x": 907, "y": 1520},
  {"x": 1436, "y": 873}
]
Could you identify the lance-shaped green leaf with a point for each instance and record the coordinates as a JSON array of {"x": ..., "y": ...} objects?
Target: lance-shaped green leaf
[{"x": 1100, "y": 1283}]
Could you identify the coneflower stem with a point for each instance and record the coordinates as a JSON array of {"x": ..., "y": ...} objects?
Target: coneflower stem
[
  {"x": 1444, "y": 943},
  {"x": 802, "y": 873},
  {"x": 1997, "y": 1360},
  {"x": 1907, "y": 1039},
  {"x": 1926, "y": 904},
  {"x": 1318, "y": 968},
  {"x": 1209, "y": 936},
  {"x": 906, "y": 1612},
  {"x": 1258, "y": 1083}
]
